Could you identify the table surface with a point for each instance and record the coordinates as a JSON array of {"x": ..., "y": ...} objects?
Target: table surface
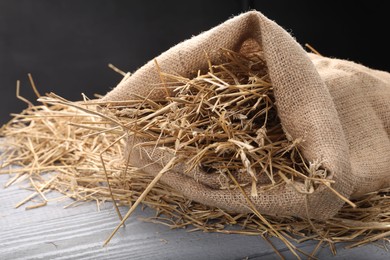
[{"x": 52, "y": 232}]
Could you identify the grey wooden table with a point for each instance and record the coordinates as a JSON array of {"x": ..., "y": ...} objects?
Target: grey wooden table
[{"x": 52, "y": 232}]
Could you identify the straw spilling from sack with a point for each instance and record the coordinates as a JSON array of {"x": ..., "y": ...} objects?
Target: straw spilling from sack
[
  {"x": 224, "y": 120},
  {"x": 220, "y": 122}
]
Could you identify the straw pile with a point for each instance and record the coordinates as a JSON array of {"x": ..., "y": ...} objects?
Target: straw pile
[{"x": 224, "y": 120}]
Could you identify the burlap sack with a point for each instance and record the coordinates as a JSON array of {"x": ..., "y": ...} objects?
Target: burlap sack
[{"x": 341, "y": 109}]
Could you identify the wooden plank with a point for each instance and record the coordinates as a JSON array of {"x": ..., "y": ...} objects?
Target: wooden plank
[{"x": 52, "y": 232}]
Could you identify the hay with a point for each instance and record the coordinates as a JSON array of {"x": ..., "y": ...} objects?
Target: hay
[{"x": 224, "y": 120}]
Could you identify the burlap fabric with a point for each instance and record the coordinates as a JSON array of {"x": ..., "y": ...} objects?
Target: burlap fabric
[{"x": 341, "y": 109}]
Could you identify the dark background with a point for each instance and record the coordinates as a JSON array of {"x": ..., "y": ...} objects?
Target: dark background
[{"x": 67, "y": 44}]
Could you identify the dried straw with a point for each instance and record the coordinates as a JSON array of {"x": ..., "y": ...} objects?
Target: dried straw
[{"x": 224, "y": 120}]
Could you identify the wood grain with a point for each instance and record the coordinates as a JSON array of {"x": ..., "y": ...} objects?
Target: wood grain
[{"x": 52, "y": 232}]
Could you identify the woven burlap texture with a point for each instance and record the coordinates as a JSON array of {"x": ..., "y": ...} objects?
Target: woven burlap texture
[{"x": 340, "y": 109}]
